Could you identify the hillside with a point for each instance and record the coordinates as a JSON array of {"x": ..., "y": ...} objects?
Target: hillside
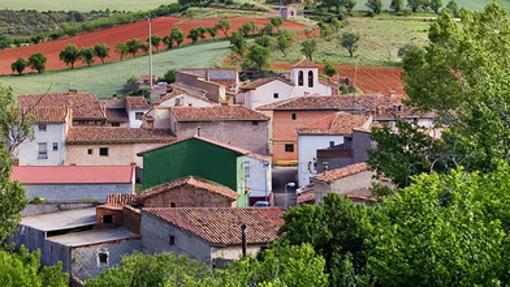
[
  {"x": 80, "y": 5},
  {"x": 105, "y": 80}
]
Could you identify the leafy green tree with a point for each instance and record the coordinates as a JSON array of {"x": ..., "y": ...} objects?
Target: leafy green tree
[
  {"x": 122, "y": 50},
  {"x": 348, "y": 5},
  {"x": 223, "y": 25},
  {"x": 19, "y": 66},
  {"x": 69, "y": 55},
  {"x": 435, "y": 5},
  {"x": 330, "y": 70},
  {"x": 283, "y": 41},
  {"x": 213, "y": 31},
  {"x": 267, "y": 29},
  {"x": 264, "y": 41},
  {"x": 247, "y": 28},
  {"x": 165, "y": 269},
  {"x": 169, "y": 76},
  {"x": 24, "y": 269},
  {"x": 37, "y": 62},
  {"x": 350, "y": 41},
  {"x": 87, "y": 55},
  {"x": 169, "y": 42},
  {"x": 396, "y": 5},
  {"x": 375, "y": 6},
  {"x": 102, "y": 51},
  {"x": 238, "y": 43},
  {"x": 155, "y": 41},
  {"x": 453, "y": 8},
  {"x": 257, "y": 58},
  {"x": 194, "y": 34},
  {"x": 308, "y": 48},
  {"x": 414, "y": 4},
  {"x": 276, "y": 22},
  {"x": 407, "y": 49},
  {"x": 177, "y": 35},
  {"x": 133, "y": 46}
]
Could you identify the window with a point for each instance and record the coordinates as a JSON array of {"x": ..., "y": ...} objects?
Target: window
[
  {"x": 55, "y": 146},
  {"x": 42, "y": 127},
  {"x": 276, "y": 96},
  {"x": 171, "y": 240},
  {"x": 300, "y": 78},
  {"x": 172, "y": 204},
  {"x": 42, "y": 151},
  {"x": 115, "y": 124},
  {"x": 108, "y": 218},
  {"x": 289, "y": 148},
  {"x": 255, "y": 123},
  {"x": 90, "y": 151},
  {"x": 246, "y": 171},
  {"x": 331, "y": 144},
  {"x": 103, "y": 151},
  {"x": 102, "y": 259},
  {"x": 310, "y": 79},
  {"x": 293, "y": 116},
  {"x": 139, "y": 116}
]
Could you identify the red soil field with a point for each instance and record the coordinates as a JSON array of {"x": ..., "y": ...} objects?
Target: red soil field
[
  {"x": 371, "y": 80},
  {"x": 111, "y": 36}
]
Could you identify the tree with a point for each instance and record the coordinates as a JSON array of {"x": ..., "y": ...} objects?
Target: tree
[
  {"x": 247, "y": 28},
  {"x": 194, "y": 34},
  {"x": 223, "y": 25},
  {"x": 397, "y": 5},
  {"x": 169, "y": 76},
  {"x": 348, "y": 5},
  {"x": 23, "y": 268},
  {"x": 264, "y": 41},
  {"x": 69, "y": 55},
  {"x": 308, "y": 48},
  {"x": 276, "y": 22},
  {"x": 435, "y": 5},
  {"x": 257, "y": 58},
  {"x": 177, "y": 36},
  {"x": 155, "y": 41},
  {"x": 375, "y": 6},
  {"x": 133, "y": 46},
  {"x": 414, "y": 4},
  {"x": 213, "y": 31},
  {"x": 122, "y": 50},
  {"x": 37, "y": 62},
  {"x": 453, "y": 8},
  {"x": 350, "y": 42},
  {"x": 169, "y": 42},
  {"x": 330, "y": 70},
  {"x": 407, "y": 49},
  {"x": 87, "y": 55},
  {"x": 164, "y": 269},
  {"x": 267, "y": 29},
  {"x": 283, "y": 41},
  {"x": 238, "y": 43},
  {"x": 19, "y": 66},
  {"x": 101, "y": 51}
]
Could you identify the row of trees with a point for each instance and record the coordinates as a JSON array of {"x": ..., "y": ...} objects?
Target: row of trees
[
  {"x": 376, "y": 6},
  {"x": 36, "y": 62},
  {"x": 70, "y": 54}
]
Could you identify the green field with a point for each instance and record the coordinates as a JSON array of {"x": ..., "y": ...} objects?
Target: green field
[
  {"x": 82, "y": 5},
  {"x": 106, "y": 80},
  {"x": 381, "y": 37}
]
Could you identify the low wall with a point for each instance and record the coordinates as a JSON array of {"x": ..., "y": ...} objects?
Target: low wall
[{"x": 35, "y": 209}]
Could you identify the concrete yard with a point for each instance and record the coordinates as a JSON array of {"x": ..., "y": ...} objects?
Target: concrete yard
[{"x": 61, "y": 220}]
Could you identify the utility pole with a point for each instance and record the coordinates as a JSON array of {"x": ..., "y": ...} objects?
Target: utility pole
[{"x": 150, "y": 52}]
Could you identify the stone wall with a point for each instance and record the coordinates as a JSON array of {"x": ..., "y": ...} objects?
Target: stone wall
[
  {"x": 35, "y": 209},
  {"x": 188, "y": 196},
  {"x": 131, "y": 219},
  {"x": 76, "y": 192}
]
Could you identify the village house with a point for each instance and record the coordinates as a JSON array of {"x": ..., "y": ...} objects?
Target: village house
[
  {"x": 214, "y": 161},
  {"x": 100, "y": 146},
  {"x": 74, "y": 183},
  {"x": 217, "y": 239},
  {"x": 53, "y": 115},
  {"x": 127, "y": 112},
  {"x": 303, "y": 80},
  {"x": 329, "y": 132},
  {"x": 233, "y": 125}
]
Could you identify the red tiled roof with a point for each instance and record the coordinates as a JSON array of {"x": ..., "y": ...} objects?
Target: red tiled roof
[
  {"x": 115, "y": 135},
  {"x": 216, "y": 113},
  {"x": 216, "y": 143},
  {"x": 49, "y": 115},
  {"x": 338, "y": 173},
  {"x": 196, "y": 182},
  {"x": 336, "y": 124},
  {"x": 84, "y": 106},
  {"x": 306, "y": 197},
  {"x": 136, "y": 103},
  {"x": 304, "y": 63},
  {"x": 121, "y": 199},
  {"x": 262, "y": 81},
  {"x": 222, "y": 226},
  {"x": 73, "y": 174}
]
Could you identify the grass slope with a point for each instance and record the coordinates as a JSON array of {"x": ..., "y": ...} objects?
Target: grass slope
[
  {"x": 469, "y": 4},
  {"x": 105, "y": 80},
  {"x": 381, "y": 37},
  {"x": 82, "y": 5}
]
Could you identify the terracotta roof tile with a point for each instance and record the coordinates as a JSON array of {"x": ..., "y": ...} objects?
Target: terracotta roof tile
[
  {"x": 84, "y": 106},
  {"x": 73, "y": 174},
  {"x": 262, "y": 81},
  {"x": 304, "y": 63},
  {"x": 116, "y": 115},
  {"x": 136, "y": 103},
  {"x": 338, "y": 173},
  {"x": 222, "y": 226},
  {"x": 49, "y": 115},
  {"x": 335, "y": 124},
  {"x": 216, "y": 113},
  {"x": 121, "y": 199},
  {"x": 115, "y": 135}
]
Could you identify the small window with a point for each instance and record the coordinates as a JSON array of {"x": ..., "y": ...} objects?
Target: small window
[
  {"x": 300, "y": 78},
  {"x": 276, "y": 96},
  {"x": 310, "y": 79},
  {"x": 90, "y": 151},
  {"x": 55, "y": 146},
  {"x": 108, "y": 219},
  {"x": 331, "y": 144},
  {"x": 255, "y": 123},
  {"x": 103, "y": 151},
  {"x": 172, "y": 204},
  {"x": 102, "y": 259},
  {"x": 294, "y": 116},
  {"x": 246, "y": 171},
  {"x": 42, "y": 151},
  {"x": 139, "y": 116},
  {"x": 42, "y": 127},
  {"x": 115, "y": 124},
  {"x": 171, "y": 240},
  {"x": 289, "y": 148}
]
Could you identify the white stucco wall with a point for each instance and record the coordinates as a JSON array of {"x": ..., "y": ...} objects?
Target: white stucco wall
[
  {"x": 307, "y": 153},
  {"x": 27, "y": 152},
  {"x": 304, "y": 90},
  {"x": 133, "y": 122},
  {"x": 258, "y": 181},
  {"x": 263, "y": 95},
  {"x": 185, "y": 101}
]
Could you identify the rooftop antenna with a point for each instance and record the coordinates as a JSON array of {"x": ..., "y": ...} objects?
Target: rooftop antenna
[{"x": 150, "y": 52}]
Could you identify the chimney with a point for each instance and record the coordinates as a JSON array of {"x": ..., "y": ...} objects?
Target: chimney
[{"x": 243, "y": 238}]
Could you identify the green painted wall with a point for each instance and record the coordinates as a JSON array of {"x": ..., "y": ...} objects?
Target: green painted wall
[{"x": 197, "y": 158}]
